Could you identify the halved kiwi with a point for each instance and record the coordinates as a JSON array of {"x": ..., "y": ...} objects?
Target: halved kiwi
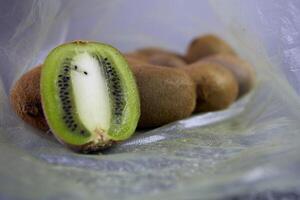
[{"x": 89, "y": 95}]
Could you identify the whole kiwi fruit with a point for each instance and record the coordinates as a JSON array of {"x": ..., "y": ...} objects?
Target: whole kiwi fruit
[
  {"x": 207, "y": 45},
  {"x": 217, "y": 87},
  {"x": 136, "y": 56},
  {"x": 166, "y": 60},
  {"x": 157, "y": 56},
  {"x": 241, "y": 69},
  {"x": 166, "y": 94},
  {"x": 150, "y": 51},
  {"x": 25, "y": 99}
]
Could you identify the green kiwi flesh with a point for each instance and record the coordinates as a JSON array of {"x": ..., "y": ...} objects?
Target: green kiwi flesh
[{"x": 89, "y": 95}]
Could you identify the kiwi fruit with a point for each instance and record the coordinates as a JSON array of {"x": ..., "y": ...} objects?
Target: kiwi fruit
[
  {"x": 207, "y": 45},
  {"x": 157, "y": 56},
  {"x": 136, "y": 56},
  {"x": 25, "y": 99},
  {"x": 242, "y": 70},
  {"x": 217, "y": 87},
  {"x": 89, "y": 95},
  {"x": 150, "y": 51},
  {"x": 166, "y": 60},
  {"x": 166, "y": 94}
]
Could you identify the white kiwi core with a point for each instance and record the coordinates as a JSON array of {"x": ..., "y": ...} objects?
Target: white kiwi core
[{"x": 91, "y": 94}]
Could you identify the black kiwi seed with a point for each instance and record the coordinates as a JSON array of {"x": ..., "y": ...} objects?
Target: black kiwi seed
[
  {"x": 85, "y": 73},
  {"x": 75, "y": 67},
  {"x": 114, "y": 82}
]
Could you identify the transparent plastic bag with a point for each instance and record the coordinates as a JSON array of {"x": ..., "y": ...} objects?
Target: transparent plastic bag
[{"x": 249, "y": 148}]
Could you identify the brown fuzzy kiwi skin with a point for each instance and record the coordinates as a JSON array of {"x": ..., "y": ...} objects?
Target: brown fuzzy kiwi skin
[
  {"x": 166, "y": 60},
  {"x": 217, "y": 87},
  {"x": 136, "y": 56},
  {"x": 242, "y": 70},
  {"x": 150, "y": 51},
  {"x": 157, "y": 56},
  {"x": 166, "y": 94},
  {"x": 25, "y": 99},
  {"x": 207, "y": 45}
]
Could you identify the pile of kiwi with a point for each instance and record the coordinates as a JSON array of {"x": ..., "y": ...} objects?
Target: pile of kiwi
[{"x": 91, "y": 96}]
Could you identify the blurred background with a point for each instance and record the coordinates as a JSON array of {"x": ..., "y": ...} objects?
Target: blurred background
[
  {"x": 253, "y": 150},
  {"x": 130, "y": 24}
]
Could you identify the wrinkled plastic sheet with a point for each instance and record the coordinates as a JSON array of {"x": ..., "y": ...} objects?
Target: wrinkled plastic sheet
[{"x": 252, "y": 148}]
